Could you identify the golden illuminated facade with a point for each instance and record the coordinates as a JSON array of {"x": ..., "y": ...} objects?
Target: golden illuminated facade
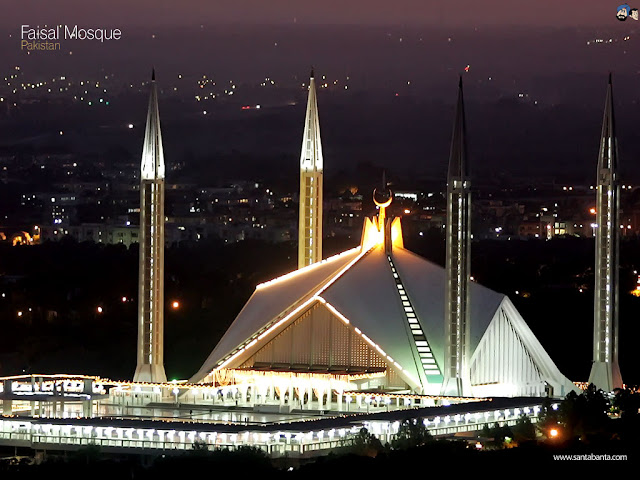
[
  {"x": 150, "y": 367},
  {"x": 605, "y": 371},
  {"x": 311, "y": 168}
]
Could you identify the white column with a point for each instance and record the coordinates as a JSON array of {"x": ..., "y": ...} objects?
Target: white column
[{"x": 291, "y": 392}]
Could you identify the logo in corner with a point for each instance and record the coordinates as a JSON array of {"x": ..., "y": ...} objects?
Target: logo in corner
[{"x": 622, "y": 12}]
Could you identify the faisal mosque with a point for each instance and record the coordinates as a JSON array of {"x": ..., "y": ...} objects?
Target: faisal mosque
[
  {"x": 382, "y": 314},
  {"x": 374, "y": 329}
]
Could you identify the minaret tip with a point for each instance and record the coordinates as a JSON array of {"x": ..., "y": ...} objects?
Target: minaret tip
[
  {"x": 312, "y": 73},
  {"x": 152, "y": 153},
  {"x": 610, "y": 78},
  {"x": 458, "y": 166}
]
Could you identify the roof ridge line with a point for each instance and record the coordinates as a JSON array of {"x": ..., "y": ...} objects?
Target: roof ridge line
[
  {"x": 386, "y": 357},
  {"x": 308, "y": 268},
  {"x": 283, "y": 317},
  {"x": 335, "y": 277},
  {"x": 319, "y": 288}
]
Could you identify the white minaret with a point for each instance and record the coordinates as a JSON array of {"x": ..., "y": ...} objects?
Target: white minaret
[
  {"x": 457, "y": 380},
  {"x": 151, "y": 277},
  {"x": 311, "y": 166},
  {"x": 605, "y": 371}
]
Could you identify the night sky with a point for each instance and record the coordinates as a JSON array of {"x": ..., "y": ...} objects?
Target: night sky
[
  {"x": 419, "y": 51},
  {"x": 363, "y": 12}
]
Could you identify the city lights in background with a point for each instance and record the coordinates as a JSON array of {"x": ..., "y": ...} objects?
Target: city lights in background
[{"x": 175, "y": 304}]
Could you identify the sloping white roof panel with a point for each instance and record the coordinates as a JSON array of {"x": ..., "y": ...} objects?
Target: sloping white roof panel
[
  {"x": 272, "y": 299},
  {"x": 425, "y": 284},
  {"x": 367, "y": 295},
  {"x": 551, "y": 374}
]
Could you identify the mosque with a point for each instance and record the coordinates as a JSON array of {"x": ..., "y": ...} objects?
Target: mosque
[
  {"x": 375, "y": 331},
  {"x": 379, "y": 318},
  {"x": 379, "y": 315}
]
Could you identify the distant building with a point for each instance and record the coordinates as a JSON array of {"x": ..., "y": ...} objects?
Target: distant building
[{"x": 94, "y": 232}]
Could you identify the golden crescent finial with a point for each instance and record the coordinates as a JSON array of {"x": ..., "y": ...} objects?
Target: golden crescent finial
[{"x": 384, "y": 204}]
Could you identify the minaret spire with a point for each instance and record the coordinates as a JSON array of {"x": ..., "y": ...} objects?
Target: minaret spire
[
  {"x": 150, "y": 366},
  {"x": 458, "y": 157},
  {"x": 152, "y": 153},
  {"x": 311, "y": 172},
  {"x": 457, "y": 320},
  {"x": 605, "y": 371}
]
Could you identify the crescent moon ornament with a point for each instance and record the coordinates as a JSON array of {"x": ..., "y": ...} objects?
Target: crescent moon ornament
[{"x": 383, "y": 204}]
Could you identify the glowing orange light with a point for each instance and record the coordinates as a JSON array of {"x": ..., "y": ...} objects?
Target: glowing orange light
[
  {"x": 306, "y": 269},
  {"x": 99, "y": 309},
  {"x": 396, "y": 233},
  {"x": 592, "y": 211},
  {"x": 175, "y": 304},
  {"x": 384, "y": 204},
  {"x": 636, "y": 292},
  {"x": 553, "y": 433},
  {"x": 124, "y": 299}
]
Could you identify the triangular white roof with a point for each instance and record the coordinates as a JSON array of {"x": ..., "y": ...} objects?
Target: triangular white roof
[
  {"x": 360, "y": 286},
  {"x": 273, "y": 300}
]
